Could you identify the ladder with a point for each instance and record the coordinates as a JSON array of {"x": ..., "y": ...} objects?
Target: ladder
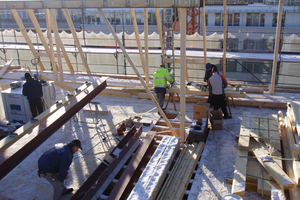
[{"x": 168, "y": 58}]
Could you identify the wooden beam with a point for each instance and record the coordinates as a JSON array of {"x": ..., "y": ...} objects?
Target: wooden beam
[
  {"x": 244, "y": 138},
  {"x": 146, "y": 42},
  {"x": 63, "y": 50},
  {"x": 4, "y": 69},
  {"x": 77, "y": 42},
  {"x": 159, "y": 26},
  {"x": 224, "y": 37},
  {"x": 41, "y": 35},
  {"x": 58, "y": 44},
  {"x": 204, "y": 34},
  {"x": 276, "y": 48},
  {"x": 137, "y": 36},
  {"x": 137, "y": 72},
  {"x": 287, "y": 151},
  {"x": 49, "y": 35},
  {"x": 156, "y": 170},
  {"x": 11, "y": 67},
  {"x": 272, "y": 167},
  {"x": 182, "y": 72},
  {"x": 239, "y": 179},
  {"x": 58, "y": 84},
  {"x": 26, "y": 37}
]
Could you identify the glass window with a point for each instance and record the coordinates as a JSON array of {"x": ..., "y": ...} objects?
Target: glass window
[
  {"x": 230, "y": 19},
  {"x": 262, "y": 19},
  {"x": 252, "y": 19},
  {"x": 218, "y": 19},
  {"x": 231, "y": 66},
  {"x": 236, "y": 20},
  {"x": 206, "y": 19},
  {"x": 274, "y": 21}
]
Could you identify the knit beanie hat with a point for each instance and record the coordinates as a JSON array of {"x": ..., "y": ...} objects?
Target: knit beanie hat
[{"x": 208, "y": 66}]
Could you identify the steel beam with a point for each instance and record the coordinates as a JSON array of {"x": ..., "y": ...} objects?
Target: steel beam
[{"x": 15, "y": 154}]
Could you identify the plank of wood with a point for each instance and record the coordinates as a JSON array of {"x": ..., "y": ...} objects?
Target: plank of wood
[
  {"x": 156, "y": 169},
  {"x": 239, "y": 178},
  {"x": 264, "y": 183},
  {"x": 99, "y": 111},
  {"x": 5, "y": 68},
  {"x": 291, "y": 142},
  {"x": 115, "y": 94},
  {"x": 295, "y": 106},
  {"x": 294, "y": 192},
  {"x": 272, "y": 167},
  {"x": 170, "y": 194},
  {"x": 170, "y": 178},
  {"x": 58, "y": 84},
  {"x": 121, "y": 185},
  {"x": 244, "y": 137},
  {"x": 189, "y": 172},
  {"x": 11, "y": 67},
  {"x": 253, "y": 90}
]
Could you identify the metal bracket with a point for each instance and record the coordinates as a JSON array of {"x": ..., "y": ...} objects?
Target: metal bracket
[{"x": 128, "y": 3}]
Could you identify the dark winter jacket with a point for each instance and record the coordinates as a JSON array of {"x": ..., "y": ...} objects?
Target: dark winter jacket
[
  {"x": 57, "y": 160},
  {"x": 209, "y": 73},
  {"x": 32, "y": 89}
]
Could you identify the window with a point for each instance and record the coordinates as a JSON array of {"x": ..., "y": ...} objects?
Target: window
[
  {"x": 231, "y": 44},
  {"x": 251, "y": 44},
  {"x": 252, "y": 19},
  {"x": 252, "y": 67},
  {"x": 206, "y": 19},
  {"x": 128, "y": 18},
  {"x": 234, "y": 19},
  {"x": 274, "y": 21},
  {"x": 262, "y": 20},
  {"x": 218, "y": 19},
  {"x": 231, "y": 66}
]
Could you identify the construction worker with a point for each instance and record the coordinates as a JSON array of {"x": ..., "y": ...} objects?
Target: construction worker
[
  {"x": 160, "y": 78},
  {"x": 217, "y": 84},
  {"x": 54, "y": 165},
  {"x": 32, "y": 89},
  {"x": 208, "y": 74}
]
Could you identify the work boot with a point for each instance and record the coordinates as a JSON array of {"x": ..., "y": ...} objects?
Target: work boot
[{"x": 67, "y": 191}]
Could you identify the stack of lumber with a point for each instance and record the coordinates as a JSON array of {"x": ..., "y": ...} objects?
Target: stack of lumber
[
  {"x": 291, "y": 142},
  {"x": 259, "y": 162},
  {"x": 177, "y": 182},
  {"x": 156, "y": 170}
]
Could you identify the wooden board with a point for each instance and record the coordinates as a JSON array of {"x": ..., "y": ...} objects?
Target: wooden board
[
  {"x": 294, "y": 192},
  {"x": 5, "y": 68},
  {"x": 156, "y": 169},
  {"x": 272, "y": 167},
  {"x": 239, "y": 179}
]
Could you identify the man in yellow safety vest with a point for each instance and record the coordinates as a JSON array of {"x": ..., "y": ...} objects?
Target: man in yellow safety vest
[{"x": 160, "y": 78}]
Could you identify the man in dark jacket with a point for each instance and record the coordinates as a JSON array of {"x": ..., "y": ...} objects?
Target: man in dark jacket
[
  {"x": 54, "y": 165},
  {"x": 217, "y": 84},
  {"x": 34, "y": 92},
  {"x": 208, "y": 73}
]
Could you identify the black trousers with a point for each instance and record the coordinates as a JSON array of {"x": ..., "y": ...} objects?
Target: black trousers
[
  {"x": 36, "y": 106},
  {"x": 161, "y": 94},
  {"x": 219, "y": 101}
]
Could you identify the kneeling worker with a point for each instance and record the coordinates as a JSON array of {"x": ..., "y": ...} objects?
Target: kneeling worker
[
  {"x": 54, "y": 165},
  {"x": 160, "y": 78}
]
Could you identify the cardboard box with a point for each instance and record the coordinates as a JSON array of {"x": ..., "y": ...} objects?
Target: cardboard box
[
  {"x": 200, "y": 112},
  {"x": 216, "y": 119}
]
